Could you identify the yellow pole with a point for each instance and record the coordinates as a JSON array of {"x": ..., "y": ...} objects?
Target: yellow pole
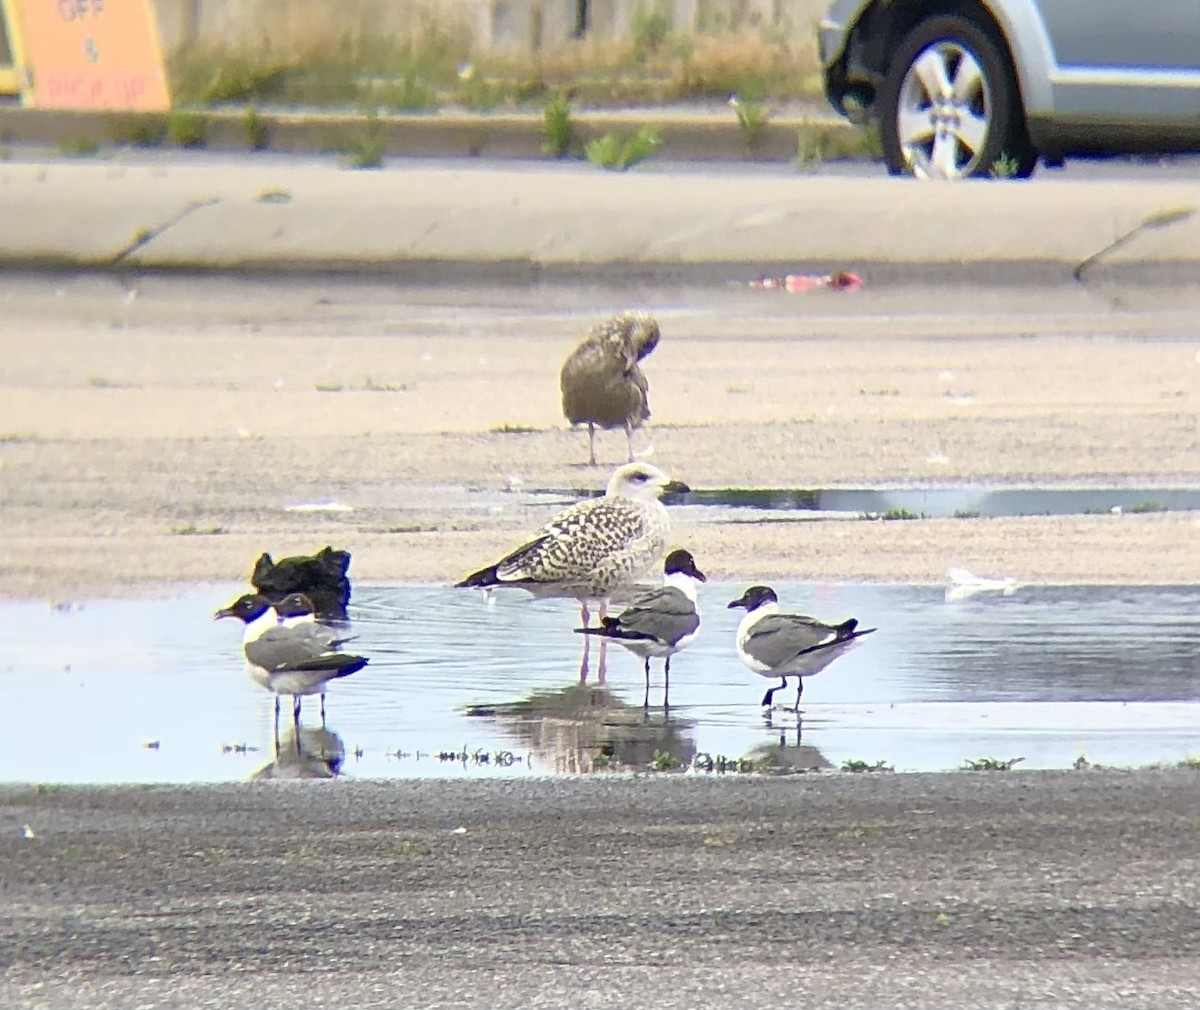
[{"x": 11, "y": 77}]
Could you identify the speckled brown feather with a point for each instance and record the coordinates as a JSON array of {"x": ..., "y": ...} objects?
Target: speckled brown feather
[
  {"x": 601, "y": 382},
  {"x": 594, "y": 547}
]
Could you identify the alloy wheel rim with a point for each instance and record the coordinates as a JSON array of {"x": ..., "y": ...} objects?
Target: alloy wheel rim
[{"x": 944, "y": 113}]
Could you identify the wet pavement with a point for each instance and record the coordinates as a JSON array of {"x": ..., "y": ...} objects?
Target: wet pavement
[{"x": 153, "y": 690}]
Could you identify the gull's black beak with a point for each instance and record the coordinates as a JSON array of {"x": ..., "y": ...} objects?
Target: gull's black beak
[
  {"x": 675, "y": 487},
  {"x": 698, "y": 575},
  {"x": 739, "y": 602},
  {"x": 224, "y": 612}
]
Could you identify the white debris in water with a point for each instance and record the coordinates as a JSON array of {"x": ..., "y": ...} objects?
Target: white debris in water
[
  {"x": 964, "y": 584},
  {"x": 330, "y": 506}
]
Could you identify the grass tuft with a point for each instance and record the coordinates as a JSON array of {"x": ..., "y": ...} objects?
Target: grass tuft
[
  {"x": 988, "y": 764},
  {"x": 187, "y": 128},
  {"x": 558, "y": 131},
  {"x": 192, "y": 530},
  {"x": 619, "y": 154}
]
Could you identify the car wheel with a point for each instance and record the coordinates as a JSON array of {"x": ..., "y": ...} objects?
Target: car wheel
[{"x": 950, "y": 107}]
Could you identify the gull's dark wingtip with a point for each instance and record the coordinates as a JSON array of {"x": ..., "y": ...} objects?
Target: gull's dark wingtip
[{"x": 485, "y": 578}]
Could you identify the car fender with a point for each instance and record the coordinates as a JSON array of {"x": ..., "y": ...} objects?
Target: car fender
[
  {"x": 1024, "y": 31},
  {"x": 1019, "y": 21}
]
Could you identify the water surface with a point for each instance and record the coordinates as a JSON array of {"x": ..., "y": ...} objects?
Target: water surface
[{"x": 153, "y": 689}]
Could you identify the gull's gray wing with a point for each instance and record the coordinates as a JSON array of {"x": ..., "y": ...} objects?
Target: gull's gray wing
[
  {"x": 304, "y": 647},
  {"x": 780, "y": 637},
  {"x": 665, "y": 615}
]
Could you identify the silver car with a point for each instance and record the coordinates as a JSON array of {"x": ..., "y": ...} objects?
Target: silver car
[{"x": 981, "y": 87}]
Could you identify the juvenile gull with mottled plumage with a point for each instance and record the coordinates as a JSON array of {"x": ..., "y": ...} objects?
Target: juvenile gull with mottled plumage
[
  {"x": 595, "y": 548},
  {"x": 602, "y": 383}
]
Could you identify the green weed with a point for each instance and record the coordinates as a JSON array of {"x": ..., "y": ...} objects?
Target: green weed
[
  {"x": 893, "y": 515},
  {"x": 663, "y": 761},
  {"x": 558, "y": 131},
  {"x": 1004, "y": 167},
  {"x": 988, "y": 764},
  {"x": 856, "y": 766},
  {"x": 140, "y": 131},
  {"x": 78, "y": 147},
  {"x": 650, "y": 28},
  {"x": 187, "y": 128},
  {"x": 752, "y": 116},
  {"x": 257, "y": 135},
  {"x": 618, "y": 154},
  {"x": 410, "y": 847},
  {"x": 365, "y": 149}
]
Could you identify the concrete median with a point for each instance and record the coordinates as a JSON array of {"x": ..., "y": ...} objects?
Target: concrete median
[{"x": 235, "y": 213}]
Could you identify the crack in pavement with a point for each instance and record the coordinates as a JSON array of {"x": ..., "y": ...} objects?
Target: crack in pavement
[{"x": 145, "y": 235}]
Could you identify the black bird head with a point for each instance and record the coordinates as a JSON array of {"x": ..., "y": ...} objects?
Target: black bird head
[
  {"x": 245, "y": 608},
  {"x": 755, "y": 597},
  {"x": 682, "y": 562},
  {"x": 295, "y": 605}
]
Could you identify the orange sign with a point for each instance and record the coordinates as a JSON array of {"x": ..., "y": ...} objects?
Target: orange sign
[{"x": 89, "y": 54}]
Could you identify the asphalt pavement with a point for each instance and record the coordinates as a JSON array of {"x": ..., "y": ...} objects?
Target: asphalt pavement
[
  {"x": 1005, "y": 889},
  {"x": 985, "y": 889}
]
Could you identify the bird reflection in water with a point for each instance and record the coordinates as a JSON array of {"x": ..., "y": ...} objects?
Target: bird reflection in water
[
  {"x": 305, "y": 752},
  {"x": 789, "y": 754},
  {"x": 581, "y": 729}
]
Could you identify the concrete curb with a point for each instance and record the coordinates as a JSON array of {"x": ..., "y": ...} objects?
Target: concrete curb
[
  {"x": 685, "y": 135},
  {"x": 549, "y": 220}
]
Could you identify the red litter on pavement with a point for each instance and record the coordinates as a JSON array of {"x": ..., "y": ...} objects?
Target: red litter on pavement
[{"x": 842, "y": 280}]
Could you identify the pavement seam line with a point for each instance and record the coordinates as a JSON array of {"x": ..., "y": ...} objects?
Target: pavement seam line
[{"x": 143, "y": 236}]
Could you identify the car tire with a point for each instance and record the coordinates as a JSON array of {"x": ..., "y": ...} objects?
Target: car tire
[{"x": 978, "y": 127}]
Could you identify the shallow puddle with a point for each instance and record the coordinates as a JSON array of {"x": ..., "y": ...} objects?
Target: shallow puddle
[
  {"x": 153, "y": 690},
  {"x": 942, "y": 502}
]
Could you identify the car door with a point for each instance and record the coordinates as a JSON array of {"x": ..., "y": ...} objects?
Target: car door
[{"x": 1132, "y": 62}]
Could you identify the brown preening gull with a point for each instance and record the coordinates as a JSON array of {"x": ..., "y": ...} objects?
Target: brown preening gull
[
  {"x": 594, "y": 548},
  {"x": 601, "y": 381}
]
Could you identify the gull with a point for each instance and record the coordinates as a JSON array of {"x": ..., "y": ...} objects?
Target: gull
[
  {"x": 602, "y": 383},
  {"x": 297, "y": 609},
  {"x": 788, "y": 645},
  {"x": 963, "y": 585},
  {"x": 659, "y": 623},
  {"x": 296, "y": 660},
  {"x": 321, "y": 577},
  {"x": 595, "y": 548}
]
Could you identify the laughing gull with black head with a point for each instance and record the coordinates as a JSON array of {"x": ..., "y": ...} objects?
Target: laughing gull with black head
[
  {"x": 296, "y": 660},
  {"x": 659, "y": 623},
  {"x": 788, "y": 645},
  {"x": 299, "y": 609}
]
